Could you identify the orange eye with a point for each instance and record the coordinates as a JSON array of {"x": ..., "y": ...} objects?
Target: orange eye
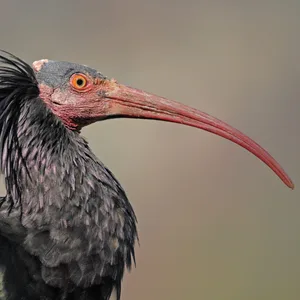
[{"x": 79, "y": 81}]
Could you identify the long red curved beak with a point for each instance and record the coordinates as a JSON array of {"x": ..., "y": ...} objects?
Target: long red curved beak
[{"x": 123, "y": 101}]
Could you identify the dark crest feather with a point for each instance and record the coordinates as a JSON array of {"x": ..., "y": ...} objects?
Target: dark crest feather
[{"x": 18, "y": 85}]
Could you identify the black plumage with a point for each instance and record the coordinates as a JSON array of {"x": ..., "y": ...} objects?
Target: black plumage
[
  {"x": 70, "y": 223},
  {"x": 67, "y": 229}
]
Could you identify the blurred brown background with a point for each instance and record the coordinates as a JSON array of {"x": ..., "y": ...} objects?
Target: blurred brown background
[{"x": 214, "y": 222}]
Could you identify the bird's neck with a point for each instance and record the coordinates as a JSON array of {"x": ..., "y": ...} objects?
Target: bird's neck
[
  {"x": 25, "y": 138},
  {"x": 38, "y": 150},
  {"x": 53, "y": 168}
]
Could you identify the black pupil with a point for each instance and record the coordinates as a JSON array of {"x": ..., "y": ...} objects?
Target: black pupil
[{"x": 80, "y": 82}]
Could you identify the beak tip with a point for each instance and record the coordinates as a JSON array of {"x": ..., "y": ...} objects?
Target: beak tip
[{"x": 290, "y": 184}]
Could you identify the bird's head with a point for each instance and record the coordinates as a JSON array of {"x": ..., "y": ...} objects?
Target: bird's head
[{"x": 79, "y": 96}]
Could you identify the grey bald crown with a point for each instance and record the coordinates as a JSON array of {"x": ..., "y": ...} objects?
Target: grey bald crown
[{"x": 57, "y": 73}]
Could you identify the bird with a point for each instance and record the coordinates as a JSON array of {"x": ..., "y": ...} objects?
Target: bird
[{"x": 67, "y": 228}]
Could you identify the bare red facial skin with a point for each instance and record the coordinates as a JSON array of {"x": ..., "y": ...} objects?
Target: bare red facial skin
[
  {"x": 60, "y": 111},
  {"x": 105, "y": 98},
  {"x": 79, "y": 107}
]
